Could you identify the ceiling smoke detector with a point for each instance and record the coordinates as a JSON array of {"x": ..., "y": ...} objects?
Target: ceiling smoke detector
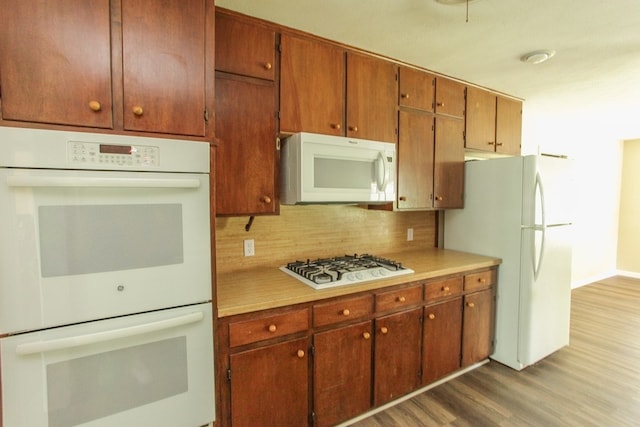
[{"x": 538, "y": 56}]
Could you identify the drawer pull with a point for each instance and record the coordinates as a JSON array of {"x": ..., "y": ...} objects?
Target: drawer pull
[
  {"x": 95, "y": 105},
  {"x": 471, "y": 304},
  {"x": 268, "y": 66},
  {"x": 300, "y": 354},
  {"x": 401, "y": 299},
  {"x": 137, "y": 110},
  {"x": 482, "y": 280},
  {"x": 273, "y": 328},
  {"x": 431, "y": 316},
  {"x": 346, "y": 312},
  {"x": 446, "y": 289},
  {"x": 366, "y": 335},
  {"x": 384, "y": 330}
]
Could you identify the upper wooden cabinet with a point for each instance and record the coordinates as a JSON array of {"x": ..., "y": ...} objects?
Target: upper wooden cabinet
[
  {"x": 494, "y": 123},
  {"x": 55, "y": 62},
  {"x": 314, "y": 98},
  {"x": 450, "y": 97},
  {"x": 312, "y": 80},
  {"x": 416, "y": 89},
  {"x": 124, "y": 65},
  {"x": 415, "y": 161},
  {"x": 448, "y": 169},
  {"x": 508, "y": 126},
  {"x": 245, "y": 48}
]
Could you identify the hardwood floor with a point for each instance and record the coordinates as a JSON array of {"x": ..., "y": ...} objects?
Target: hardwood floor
[{"x": 593, "y": 382}]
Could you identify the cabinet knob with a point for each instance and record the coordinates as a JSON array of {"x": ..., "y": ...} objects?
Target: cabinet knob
[
  {"x": 446, "y": 289},
  {"x": 440, "y": 104},
  {"x": 498, "y": 144},
  {"x": 272, "y": 328},
  {"x": 366, "y": 335},
  {"x": 401, "y": 299},
  {"x": 402, "y": 198},
  {"x": 137, "y": 110},
  {"x": 471, "y": 304},
  {"x": 490, "y": 143},
  {"x": 482, "y": 280},
  {"x": 265, "y": 199},
  {"x": 95, "y": 105},
  {"x": 404, "y": 95},
  {"x": 384, "y": 330},
  {"x": 431, "y": 316},
  {"x": 353, "y": 128},
  {"x": 439, "y": 198},
  {"x": 268, "y": 66},
  {"x": 300, "y": 354},
  {"x": 336, "y": 126},
  {"x": 346, "y": 312}
]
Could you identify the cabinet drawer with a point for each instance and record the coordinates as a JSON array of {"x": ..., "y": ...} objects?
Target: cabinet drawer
[
  {"x": 482, "y": 280},
  {"x": 342, "y": 310},
  {"x": 398, "y": 298},
  {"x": 254, "y": 330},
  {"x": 443, "y": 289}
]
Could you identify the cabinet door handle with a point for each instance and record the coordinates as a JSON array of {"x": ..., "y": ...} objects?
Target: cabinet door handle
[
  {"x": 265, "y": 199},
  {"x": 499, "y": 144},
  {"x": 446, "y": 289},
  {"x": 137, "y": 110},
  {"x": 431, "y": 316},
  {"x": 95, "y": 105},
  {"x": 490, "y": 143},
  {"x": 346, "y": 312},
  {"x": 482, "y": 280},
  {"x": 404, "y": 95},
  {"x": 401, "y": 299},
  {"x": 268, "y": 66},
  {"x": 402, "y": 198},
  {"x": 353, "y": 128},
  {"x": 272, "y": 328},
  {"x": 471, "y": 304},
  {"x": 439, "y": 198},
  {"x": 384, "y": 330},
  {"x": 300, "y": 354},
  {"x": 336, "y": 126},
  {"x": 366, "y": 335},
  {"x": 440, "y": 104}
]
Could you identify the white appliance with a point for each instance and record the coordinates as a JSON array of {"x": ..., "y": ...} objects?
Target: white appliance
[
  {"x": 103, "y": 237},
  {"x": 332, "y": 169},
  {"x": 520, "y": 209}
]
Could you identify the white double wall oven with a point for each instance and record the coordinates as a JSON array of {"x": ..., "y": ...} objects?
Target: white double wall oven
[{"x": 105, "y": 280}]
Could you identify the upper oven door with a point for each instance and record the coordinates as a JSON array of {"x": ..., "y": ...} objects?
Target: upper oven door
[{"x": 84, "y": 245}]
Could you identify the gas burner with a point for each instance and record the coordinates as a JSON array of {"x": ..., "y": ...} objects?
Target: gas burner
[{"x": 344, "y": 270}]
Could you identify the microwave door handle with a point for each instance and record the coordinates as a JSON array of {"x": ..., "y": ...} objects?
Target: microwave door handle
[
  {"x": 382, "y": 178},
  {"x": 44, "y": 181},
  {"x": 98, "y": 337}
]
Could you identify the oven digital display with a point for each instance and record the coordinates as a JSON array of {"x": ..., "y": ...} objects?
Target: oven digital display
[{"x": 116, "y": 149}]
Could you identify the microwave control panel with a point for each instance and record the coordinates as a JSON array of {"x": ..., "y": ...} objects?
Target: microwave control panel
[{"x": 112, "y": 155}]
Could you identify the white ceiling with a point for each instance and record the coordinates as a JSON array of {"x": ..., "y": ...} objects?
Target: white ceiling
[{"x": 596, "y": 68}]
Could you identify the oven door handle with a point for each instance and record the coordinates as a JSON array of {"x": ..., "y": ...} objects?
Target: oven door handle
[
  {"x": 98, "y": 337},
  {"x": 49, "y": 181}
]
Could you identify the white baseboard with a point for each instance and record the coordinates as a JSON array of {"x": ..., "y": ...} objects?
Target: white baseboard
[
  {"x": 592, "y": 279},
  {"x": 632, "y": 274}
]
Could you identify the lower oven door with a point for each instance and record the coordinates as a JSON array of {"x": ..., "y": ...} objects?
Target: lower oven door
[{"x": 140, "y": 370}]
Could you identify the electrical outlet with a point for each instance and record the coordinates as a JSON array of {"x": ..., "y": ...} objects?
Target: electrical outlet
[
  {"x": 249, "y": 248},
  {"x": 409, "y": 234}
]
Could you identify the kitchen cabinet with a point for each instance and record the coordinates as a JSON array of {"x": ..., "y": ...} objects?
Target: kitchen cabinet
[
  {"x": 397, "y": 355},
  {"x": 450, "y": 98},
  {"x": 441, "y": 339},
  {"x": 110, "y": 65},
  {"x": 494, "y": 123},
  {"x": 247, "y": 160},
  {"x": 448, "y": 166},
  {"x": 312, "y": 86},
  {"x": 314, "y": 97},
  {"x": 245, "y": 48},
  {"x": 416, "y": 89},
  {"x": 342, "y": 373},
  {"x": 478, "y": 317}
]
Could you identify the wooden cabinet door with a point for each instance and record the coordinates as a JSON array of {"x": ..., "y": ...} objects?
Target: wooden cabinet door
[
  {"x": 477, "y": 328},
  {"x": 55, "y": 62},
  {"x": 481, "y": 120},
  {"x": 448, "y": 175},
  {"x": 270, "y": 385},
  {"x": 449, "y": 97},
  {"x": 441, "y": 339},
  {"x": 164, "y": 66},
  {"x": 397, "y": 355},
  {"x": 417, "y": 89},
  {"x": 312, "y": 92},
  {"x": 415, "y": 160},
  {"x": 246, "y": 158},
  {"x": 508, "y": 126},
  {"x": 342, "y": 373},
  {"x": 372, "y": 102},
  {"x": 244, "y": 48}
]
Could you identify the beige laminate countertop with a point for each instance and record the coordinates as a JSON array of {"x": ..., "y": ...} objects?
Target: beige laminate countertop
[{"x": 268, "y": 287}]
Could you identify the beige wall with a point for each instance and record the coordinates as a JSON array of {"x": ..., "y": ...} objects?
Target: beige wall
[
  {"x": 629, "y": 230},
  {"x": 302, "y": 232}
]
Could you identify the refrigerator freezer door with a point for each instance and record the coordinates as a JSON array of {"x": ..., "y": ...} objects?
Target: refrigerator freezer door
[
  {"x": 545, "y": 302},
  {"x": 547, "y": 189}
]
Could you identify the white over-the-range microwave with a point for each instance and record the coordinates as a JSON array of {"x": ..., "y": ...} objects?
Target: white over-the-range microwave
[{"x": 332, "y": 169}]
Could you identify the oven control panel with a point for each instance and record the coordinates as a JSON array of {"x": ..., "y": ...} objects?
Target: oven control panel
[{"x": 112, "y": 155}]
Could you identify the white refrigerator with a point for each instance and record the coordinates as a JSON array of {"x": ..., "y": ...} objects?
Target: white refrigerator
[{"x": 519, "y": 209}]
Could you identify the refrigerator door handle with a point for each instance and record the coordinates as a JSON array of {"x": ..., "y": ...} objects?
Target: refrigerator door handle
[{"x": 543, "y": 228}]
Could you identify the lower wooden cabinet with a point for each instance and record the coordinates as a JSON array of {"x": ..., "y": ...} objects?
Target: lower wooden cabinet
[
  {"x": 397, "y": 355},
  {"x": 342, "y": 373},
  {"x": 477, "y": 326},
  {"x": 441, "y": 339},
  {"x": 269, "y": 385}
]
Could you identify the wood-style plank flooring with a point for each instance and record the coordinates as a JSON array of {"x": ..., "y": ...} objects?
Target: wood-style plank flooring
[{"x": 593, "y": 382}]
